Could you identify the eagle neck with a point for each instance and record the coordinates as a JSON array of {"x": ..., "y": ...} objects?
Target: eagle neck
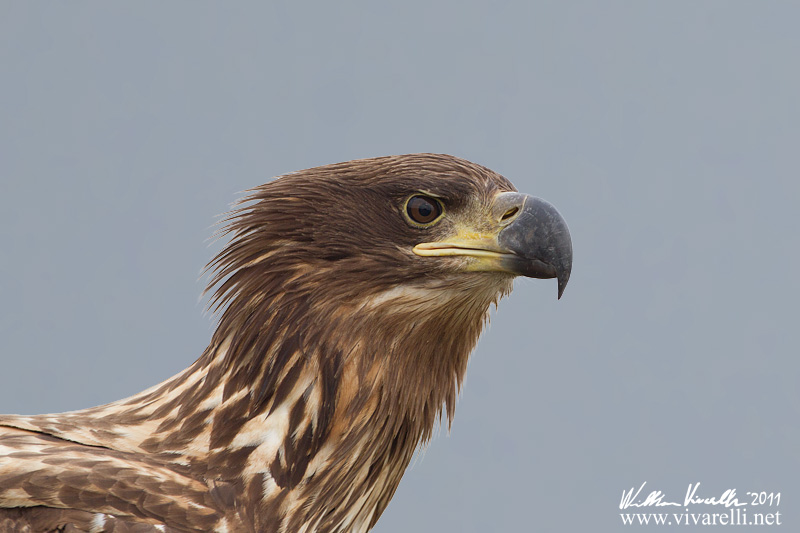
[{"x": 321, "y": 399}]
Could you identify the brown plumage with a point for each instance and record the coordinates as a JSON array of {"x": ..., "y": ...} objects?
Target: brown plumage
[{"x": 350, "y": 297}]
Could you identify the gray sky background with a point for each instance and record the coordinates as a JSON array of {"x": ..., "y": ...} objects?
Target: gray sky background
[{"x": 667, "y": 134}]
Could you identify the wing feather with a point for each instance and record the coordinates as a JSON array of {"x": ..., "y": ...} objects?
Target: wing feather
[{"x": 41, "y": 470}]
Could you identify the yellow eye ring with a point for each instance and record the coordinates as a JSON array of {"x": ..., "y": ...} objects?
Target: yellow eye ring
[{"x": 422, "y": 210}]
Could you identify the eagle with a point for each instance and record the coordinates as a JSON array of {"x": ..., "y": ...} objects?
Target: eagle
[{"x": 348, "y": 299}]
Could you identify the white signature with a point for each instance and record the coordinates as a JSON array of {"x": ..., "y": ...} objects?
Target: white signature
[{"x": 656, "y": 498}]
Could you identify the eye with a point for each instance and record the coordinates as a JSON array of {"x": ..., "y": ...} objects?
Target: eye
[{"x": 423, "y": 209}]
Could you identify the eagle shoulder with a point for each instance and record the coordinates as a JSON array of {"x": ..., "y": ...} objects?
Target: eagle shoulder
[{"x": 47, "y": 482}]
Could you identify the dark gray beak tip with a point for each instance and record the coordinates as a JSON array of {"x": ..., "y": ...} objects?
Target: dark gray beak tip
[{"x": 562, "y": 284}]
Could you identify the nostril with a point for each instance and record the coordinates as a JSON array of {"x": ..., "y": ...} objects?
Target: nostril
[{"x": 508, "y": 214}]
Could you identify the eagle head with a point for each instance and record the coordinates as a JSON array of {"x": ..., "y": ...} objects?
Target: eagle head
[{"x": 422, "y": 222}]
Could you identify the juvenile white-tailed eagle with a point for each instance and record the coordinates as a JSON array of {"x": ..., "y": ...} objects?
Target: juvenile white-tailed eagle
[{"x": 350, "y": 297}]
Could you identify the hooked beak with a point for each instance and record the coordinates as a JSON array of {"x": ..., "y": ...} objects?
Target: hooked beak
[{"x": 529, "y": 237}]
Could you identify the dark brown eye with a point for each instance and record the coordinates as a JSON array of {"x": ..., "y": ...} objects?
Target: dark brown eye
[{"x": 423, "y": 209}]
